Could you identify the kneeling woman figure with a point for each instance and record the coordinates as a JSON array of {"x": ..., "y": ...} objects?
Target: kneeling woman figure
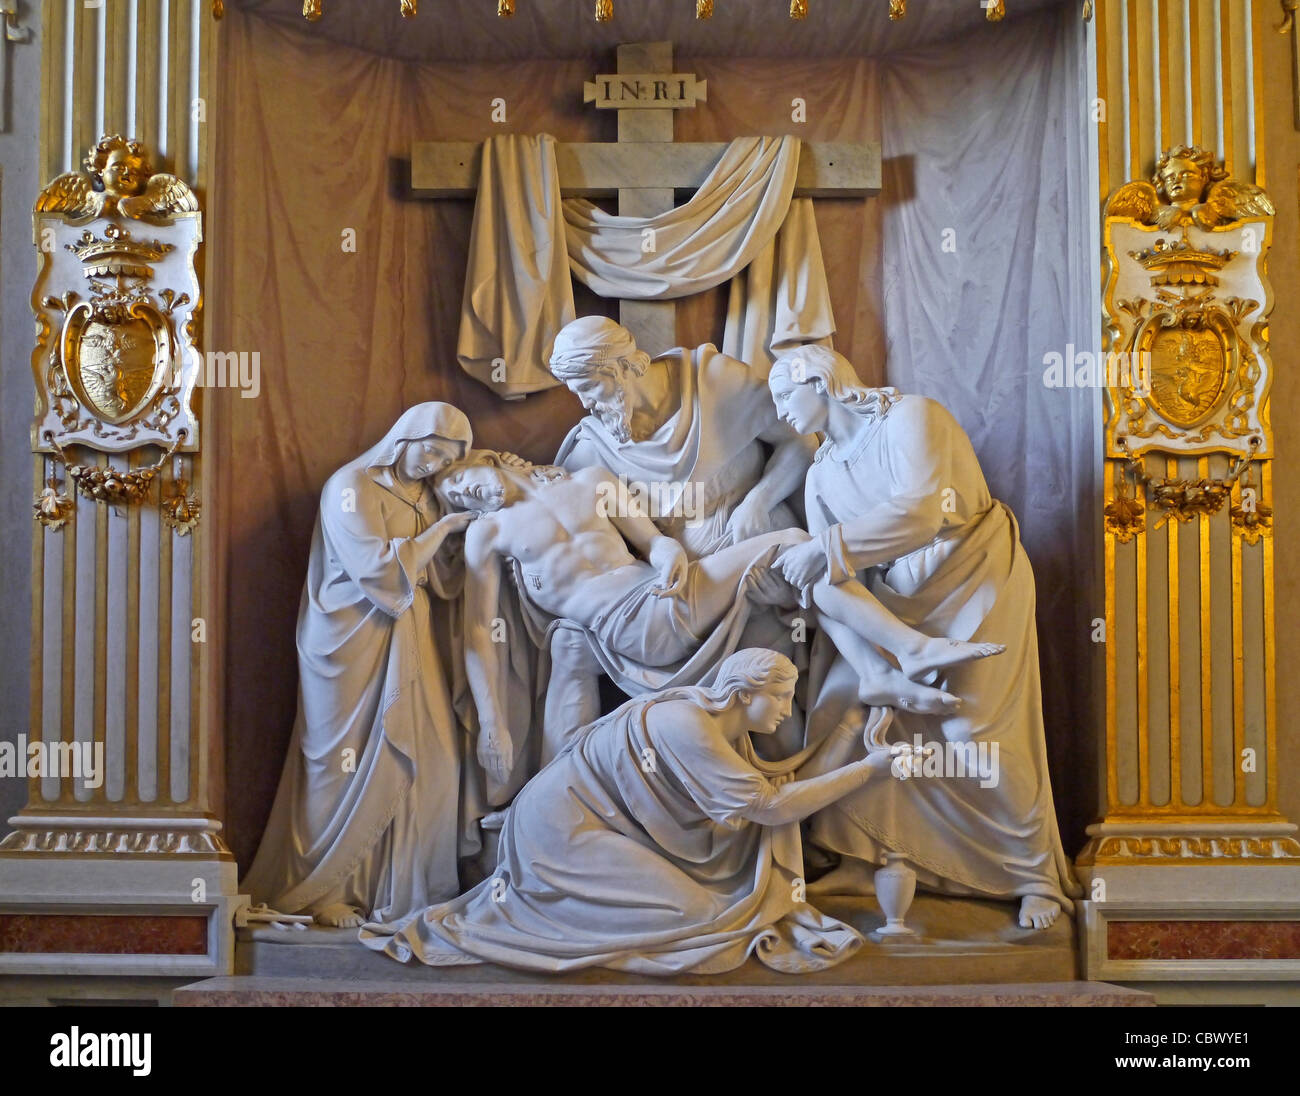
[{"x": 658, "y": 842}]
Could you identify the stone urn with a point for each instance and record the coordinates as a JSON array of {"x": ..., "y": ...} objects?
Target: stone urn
[{"x": 895, "y": 889}]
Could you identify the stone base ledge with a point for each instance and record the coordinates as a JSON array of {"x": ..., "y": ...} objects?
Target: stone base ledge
[{"x": 254, "y": 991}]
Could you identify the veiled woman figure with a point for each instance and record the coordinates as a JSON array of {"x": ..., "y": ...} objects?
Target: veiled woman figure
[
  {"x": 657, "y": 842},
  {"x": 366, "y": 817},
  {"x": 896, "y": 500}
]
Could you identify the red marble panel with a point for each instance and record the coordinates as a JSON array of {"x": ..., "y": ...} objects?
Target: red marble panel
[
  {"x": 1203, "y": 940},
  {"x": 103, "y": 934}
]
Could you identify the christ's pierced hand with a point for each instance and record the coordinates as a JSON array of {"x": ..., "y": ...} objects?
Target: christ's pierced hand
[
  {"x": 669, "y": 559},
  {"x": 456, "y": 523},
  {"x": 750, "y": 518}
]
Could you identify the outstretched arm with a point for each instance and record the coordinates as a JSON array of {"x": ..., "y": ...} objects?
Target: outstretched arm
[
  {"x": 824, "y": 778},
  {"x": 795, "y": 801},
  {"x": 628, "y": 516},
  {"x": 784, "y": 474}
]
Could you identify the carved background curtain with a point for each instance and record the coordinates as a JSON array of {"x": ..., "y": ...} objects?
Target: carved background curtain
[
  {"x": 527, "y": 245},
  {"x": 986, "y": 251},
  {"x": 353, "y": 327}
]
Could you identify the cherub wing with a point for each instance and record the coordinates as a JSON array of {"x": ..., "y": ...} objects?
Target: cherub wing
[
  {"x": 71, "y": 194},
  {"x": 1137, "y": 199},
  {"x": 164, "y": 195},
  {"x": 1231, "y": 200}
]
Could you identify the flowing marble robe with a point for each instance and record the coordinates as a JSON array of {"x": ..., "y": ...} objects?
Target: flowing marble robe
[
  {"x": 910, "y": 514},
  {"x": 608, "y": 860},
  {"x": 382, "y": 833},
  {"x": 710, "y": 442}
]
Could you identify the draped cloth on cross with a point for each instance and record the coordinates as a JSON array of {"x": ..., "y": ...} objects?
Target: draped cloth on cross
[{"x": 742, "y": 225}]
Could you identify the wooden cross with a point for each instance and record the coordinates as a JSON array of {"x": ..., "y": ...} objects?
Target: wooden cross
[{"x": 644, "y": 167}]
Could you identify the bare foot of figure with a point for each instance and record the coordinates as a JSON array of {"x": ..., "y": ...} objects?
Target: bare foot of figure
[
  {"x": 939, "y": 654},
  {"x": 339, "y": 915},
  {"x": 1038, "y": 913},
  {"x": 897, "y": 691}
]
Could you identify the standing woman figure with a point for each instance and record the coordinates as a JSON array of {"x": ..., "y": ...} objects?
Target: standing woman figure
[{"x": 366, "y": 820}]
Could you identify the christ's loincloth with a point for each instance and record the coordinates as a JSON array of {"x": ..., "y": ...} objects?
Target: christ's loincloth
[
  {"x": 645, "y": 642},
  {"x": 653, "y": 629}
]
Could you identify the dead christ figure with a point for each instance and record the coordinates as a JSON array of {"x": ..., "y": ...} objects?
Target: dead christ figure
[{"x": 568, "y": 537}]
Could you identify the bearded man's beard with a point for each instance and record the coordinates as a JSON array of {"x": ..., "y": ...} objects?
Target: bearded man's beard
[{"x": 617, "y": 419}]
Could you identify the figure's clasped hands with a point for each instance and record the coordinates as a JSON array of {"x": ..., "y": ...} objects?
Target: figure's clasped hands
[
  {"x": 669, "y": 559},
  {"x": 803, "y": 565}
]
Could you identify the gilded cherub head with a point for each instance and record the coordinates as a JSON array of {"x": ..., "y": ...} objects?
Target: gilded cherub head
[
  {"x": 1183, "y": 174},
  {"x": 120, "y": 166}
]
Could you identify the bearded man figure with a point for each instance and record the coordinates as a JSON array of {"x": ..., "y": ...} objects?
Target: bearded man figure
[
  {"x": 693, "y": 434},
  {"x": 694, "y": 428}
]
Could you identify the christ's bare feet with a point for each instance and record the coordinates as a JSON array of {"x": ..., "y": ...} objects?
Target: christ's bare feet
[
  {"x": 1038, "y": 913},
  {"x": 897, "y": 691},
  {"x": 339, "y": 915},
  {"x": 939, "y": 654}
]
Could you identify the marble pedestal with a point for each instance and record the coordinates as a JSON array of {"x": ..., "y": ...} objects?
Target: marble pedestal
[
  {"x": 72, "y": 908},
  {"x": 1180, "y": 917}
]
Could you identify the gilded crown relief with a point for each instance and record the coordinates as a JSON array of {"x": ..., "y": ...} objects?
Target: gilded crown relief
[
  {"x": 115, "y": 302},
  {"x": 1187, "y": 296}
]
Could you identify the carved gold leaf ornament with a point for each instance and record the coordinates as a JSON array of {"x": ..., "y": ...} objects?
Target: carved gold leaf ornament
[
  {"x": 1189, "y": 188},
  {"x": 116, "y": 842},
  {"x": 1193, "y": 846},
  {"x": 117, "y": 176},
  {"x": 1250, "y": 516},
  {"x": 1202, "y": 348},
  {"x": 1182, "y": 500},
  {"x": 53, "y": 508},
  {"x": 109, "y": 485},
  {"x": 181, "y": 508},
  {"x": 1125, "y": 517},
  {"x": 1253, "y": 523},
  {"x": 115, "y": 357},
  {"x": 994, "y": 10}
]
